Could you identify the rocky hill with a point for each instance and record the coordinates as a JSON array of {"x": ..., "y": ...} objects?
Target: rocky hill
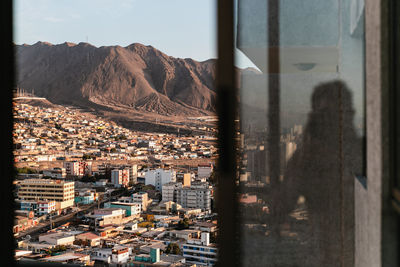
[{"x": 138, "y": 77}]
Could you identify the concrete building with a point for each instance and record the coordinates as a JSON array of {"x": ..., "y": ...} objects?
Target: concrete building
[
  {"x": 131, "y": 209},
  {"x": 200, "y": 251},
  {"x": 133, "y": 174},
  {"x": 46, "y": 207},
  {"x": 89, "y": 238},
  {"x": 27, "y": 205},
  {"x": 57, "y": 239},
  {"x": 195, "y": 197},
  {"x": 120, "y": 177},
  {"x": 69, "y": 258},
  {"x": 204, "y": 170},
  {"x": 169, "y": 191},
  {"x": 116, "y": 255},
  {"x": 58, "y": 173},
  {"x": 184, "y": 178},
  {"x": 78, "y": 168},
  {"x": 71, "y": 168},
  {"x": 159, "y": 177},
  {"x": 148, "y": 260},
  {"x": 106, "y": 216},
  {"x": 106, "y": 169},
  {"x": 46, "y": 190},
  {"x": 142, "y": 198}
]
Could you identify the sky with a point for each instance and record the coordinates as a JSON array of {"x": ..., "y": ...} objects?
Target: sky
[{"x": 179, "y": 28}]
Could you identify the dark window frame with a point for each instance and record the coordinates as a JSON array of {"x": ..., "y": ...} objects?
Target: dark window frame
[{"x": 228, "y": 238}]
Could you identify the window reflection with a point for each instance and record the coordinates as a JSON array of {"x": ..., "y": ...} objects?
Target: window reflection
[{"x": 305, "y": 216}]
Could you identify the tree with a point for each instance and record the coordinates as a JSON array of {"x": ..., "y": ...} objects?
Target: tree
[
  {"x": 183, "y": 224},
  {"x": 88, "y": 179},
  {"x": 26, "y": 170},
  {"x": 173, "y": 248}
]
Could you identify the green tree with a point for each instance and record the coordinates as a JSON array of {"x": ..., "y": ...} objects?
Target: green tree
[
  {"x": 88, "y": 179},
  {"x": 173, "y": 248},
  {"x": 26, "y": 170},
  {"x": 183, "y": 224}
]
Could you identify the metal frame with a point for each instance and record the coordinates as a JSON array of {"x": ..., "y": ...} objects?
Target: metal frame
[
  {"x": 6, "y": 165},
  {"x": 227, "y": 207}
]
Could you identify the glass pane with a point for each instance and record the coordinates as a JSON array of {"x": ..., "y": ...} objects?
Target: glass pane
[{"x": 302, "y": 130}]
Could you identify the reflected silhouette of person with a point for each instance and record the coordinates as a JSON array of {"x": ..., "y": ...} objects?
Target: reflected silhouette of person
[{"x": 323, "y": 170}]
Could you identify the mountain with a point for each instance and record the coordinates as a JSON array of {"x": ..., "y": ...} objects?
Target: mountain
[{"x": 135, "y": 77}]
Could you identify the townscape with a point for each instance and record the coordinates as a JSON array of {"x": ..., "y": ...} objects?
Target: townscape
[{"x": 93, "y": 193}]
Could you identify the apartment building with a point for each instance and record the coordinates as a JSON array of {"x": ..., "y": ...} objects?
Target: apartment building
[
  {"x": 195, "y": 197},
  {"x": 107, "y": 168},
  {"x": 169, "y": 191},
  {"x": 159, "y": 177},
  {"x": 142, "y": 198},
  {"x": 61, "y": 192},
  {"x": 78, "y": 168},
  {"x": 120, "y": 177},
  {"x": 184, "y": 178},
  {"x": 46, "y": 207},
  {"x": 204, "y": 170}
]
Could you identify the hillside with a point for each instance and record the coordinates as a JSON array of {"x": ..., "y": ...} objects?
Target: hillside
[{"x": 136, "y": 78}]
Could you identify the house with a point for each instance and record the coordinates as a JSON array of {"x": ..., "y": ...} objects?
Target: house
[
  {"x": 89, "y": 239},
  {"x": 57, "y": 238}
]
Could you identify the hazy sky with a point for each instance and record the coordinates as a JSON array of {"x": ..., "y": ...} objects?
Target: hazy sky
[{"x": 179, "y": 28}]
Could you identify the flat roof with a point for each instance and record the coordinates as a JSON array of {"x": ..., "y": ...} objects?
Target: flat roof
[
  {"x": 66, "y": 257},
  {"x": 46, "y": 181}
]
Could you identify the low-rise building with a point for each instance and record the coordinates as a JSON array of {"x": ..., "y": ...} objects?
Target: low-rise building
[
  {"x": 46, "y": 207},
  {"x": 106, "y": 216},
  {"x": 78, "y": 258},
  {"x": 116, "y": 255},
  {"x": 89, "y": 239},
  {"x": 131, "y": 209},
  {"x": 57, "y": 238},
  {"x": 58, "y": 173},
  {"x": 200, "y": 251}
]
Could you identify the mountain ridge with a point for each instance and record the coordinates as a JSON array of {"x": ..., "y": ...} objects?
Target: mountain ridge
[{"x": 136, "y": 76}]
